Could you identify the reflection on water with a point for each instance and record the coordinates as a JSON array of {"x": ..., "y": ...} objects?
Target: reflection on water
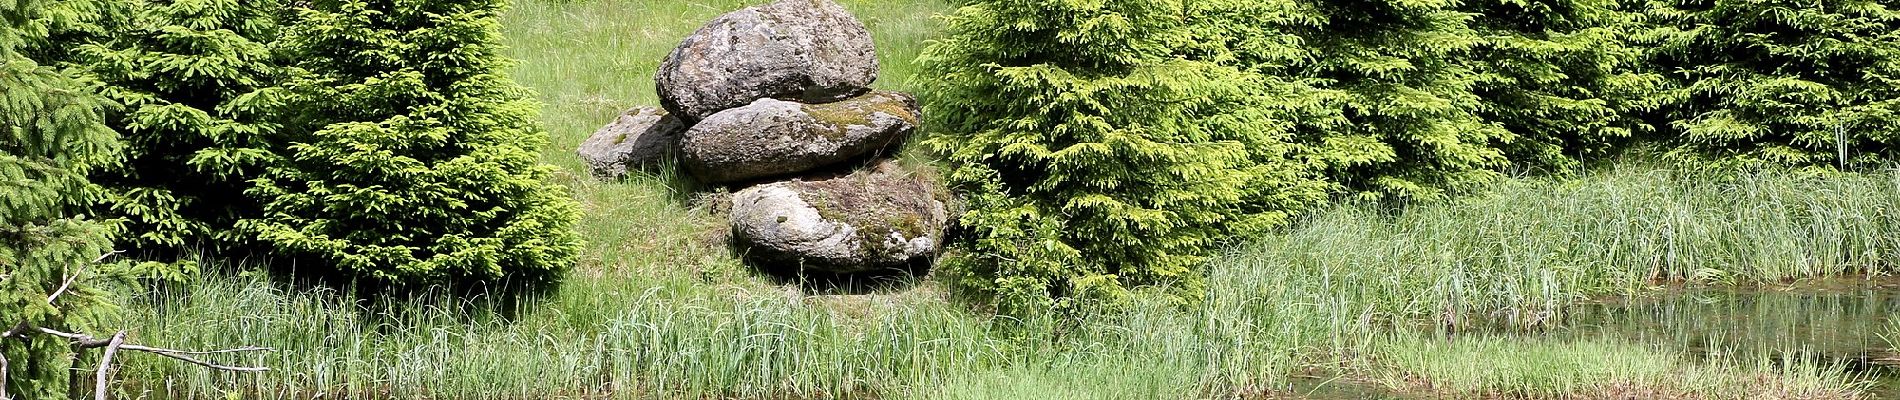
[
  {"x": 1838, "y": 322},
  {"x": 1337, "y": 388},
  {"x": 1833, "y": 325}
]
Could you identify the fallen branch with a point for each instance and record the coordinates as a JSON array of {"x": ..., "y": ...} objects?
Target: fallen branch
[
  {"x": 16, "y": 331},
  {"x": 112, "y": 345},
  {"x": 105, "y": 365},
  {"x": 88, "y": 342},
  {"x": 3, "y": 373}
]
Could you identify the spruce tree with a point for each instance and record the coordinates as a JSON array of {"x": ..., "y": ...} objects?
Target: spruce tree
[
  {"x": 406, "y": 155},
  {"x": 1778, "y": 81},
  {"x": 1408, "y": 125},
  {"x": 51, "y": 134},
  {"x": 1560, "y": 76},
  {"x": 184, "y": 70},
  {"x": 1095, "y": 156}
]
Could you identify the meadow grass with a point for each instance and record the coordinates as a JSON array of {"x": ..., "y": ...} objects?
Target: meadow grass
[
  {"x": 1517, "y": 367},
  {"x": 1274, "y": 310},
  {"x": 658, "y": 307},
  {"x": 1520, "y": 252}
]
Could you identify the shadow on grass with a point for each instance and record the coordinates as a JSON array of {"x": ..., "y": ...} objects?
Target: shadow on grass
[{"x": 814, "y": 282}]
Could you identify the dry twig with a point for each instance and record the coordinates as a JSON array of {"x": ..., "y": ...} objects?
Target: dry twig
[
  {"x": 105, "y": 365},
  {"x": 112, "y": 345},
  {"x": 86, "y": 341},
  {"x": 68, "y": 284}
]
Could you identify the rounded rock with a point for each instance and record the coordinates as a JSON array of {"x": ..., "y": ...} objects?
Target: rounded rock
[
  {"x": 810, "y": 51},
  {"x": 640, "y": 137},
  {"x": 854, "y": 223},
  {"x": 773, "y": 137}
]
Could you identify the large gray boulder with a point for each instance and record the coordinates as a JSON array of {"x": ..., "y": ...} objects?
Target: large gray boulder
[
  {"x": 773, "y": 137},
  {"x": 854, "y": 223},
  {"x": 642, "y": 136},
  {"x": 809, "y": 51}
]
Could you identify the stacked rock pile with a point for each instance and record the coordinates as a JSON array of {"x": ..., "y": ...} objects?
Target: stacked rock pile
[{"x": 775, "y": 100}]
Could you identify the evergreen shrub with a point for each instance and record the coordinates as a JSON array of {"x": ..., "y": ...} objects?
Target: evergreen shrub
[
  {"x": 1094, "y": 155},
  {"x": 1561, "y": 77},
  {"x": 404, "y": 154},
  {"x": 184, "y": 72},
  {"x": 1405, "y": 121},
  {"x": 1784, "y": 82}
]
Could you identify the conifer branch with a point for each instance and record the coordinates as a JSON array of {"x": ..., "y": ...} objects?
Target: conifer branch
[{"x": 68, "y": 284}]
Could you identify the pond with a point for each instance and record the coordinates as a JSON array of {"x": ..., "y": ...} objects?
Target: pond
[
  {"x": 1835, "y": 324},
  {"x": 1832, "y": 324}
]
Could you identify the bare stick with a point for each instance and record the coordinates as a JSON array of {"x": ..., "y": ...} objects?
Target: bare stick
[
  {"x": 200, "y": 363},
  {"x": 105, "y": 365},
  {"x": 204, "y": 352},
  {"x": 82, "y": 271},
  {"x": 85, "y": 341},
  {"x": 3, "y": 372},
  {"x": 16, "y": 331}
]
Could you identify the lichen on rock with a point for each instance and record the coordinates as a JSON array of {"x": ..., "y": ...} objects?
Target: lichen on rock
[
  {"x": 639, "y": 137},
  {"x": 811, "y": 51},
  {"x": 866, "y": 220},
  {"x": 775, "y": 138}
]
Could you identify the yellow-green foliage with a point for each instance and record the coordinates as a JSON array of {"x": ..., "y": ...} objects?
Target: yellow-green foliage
[
  {"x": 406, "y": 154},
  {"x": 51, "y": 134},
  {"x": 1095, "y": 157}
]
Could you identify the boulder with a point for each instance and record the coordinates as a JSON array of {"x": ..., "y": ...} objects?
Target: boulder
[
  {"x": 641, "y": 137},
  {"x": 809, "y": 51},
  {"x": 855, "y": 223},
  {"x": 773, "y": 137}
]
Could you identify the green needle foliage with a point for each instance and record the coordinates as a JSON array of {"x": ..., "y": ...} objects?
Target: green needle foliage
[
  {"x": 1418, "y": 100},
  {"x": 1408, "y": 125},
  {"x": 408, "y": 156},
  {"x": 194, "y": 136},
  {"x": 1560, "y": 76},
  {"x": 1097, "y": 158},
  {"x": 1779, "y": 81},
  {"x": 51, "y": 134}
]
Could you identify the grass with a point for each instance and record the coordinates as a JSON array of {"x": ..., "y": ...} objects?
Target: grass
[
  {"x": 1516, "y": 367},
  {"x": 1276, "y": 309},
  {"x": 659, "y": 308},
  {"x": 1524, "y": 250}
]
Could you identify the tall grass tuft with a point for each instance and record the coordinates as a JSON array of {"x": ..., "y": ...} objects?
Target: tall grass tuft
[
  {"x": 1522, "y": 250},
  {"x": 1482, "y": 366}
]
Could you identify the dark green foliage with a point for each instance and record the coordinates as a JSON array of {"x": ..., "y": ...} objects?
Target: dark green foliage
[
  {"x": 1407, "y": 122},
  {"x": 51, "y": 135},
  {"x": 1384, "y": 96},
  {"x": 1776, "y": 81},
  {"x": 1419, "y": 99},
  {"x": 1095, "y": 156},
  {"x": 183, "y": 70},
  {"x": 1559, "y": 76},
  {"x": 407, "y": 155}
]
